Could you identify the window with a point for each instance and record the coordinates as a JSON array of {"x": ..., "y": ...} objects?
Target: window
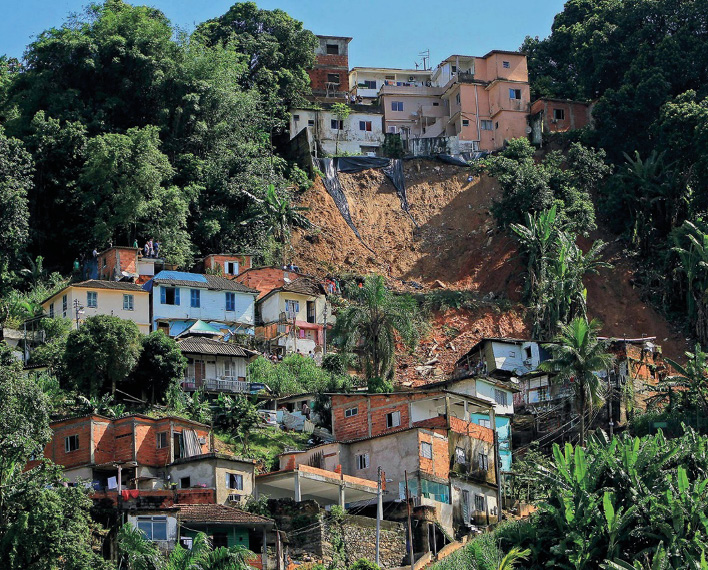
[
  {"x": 231, "y": 268},
  {"x": 454, "y": 68},
  {"x": 185, "y": 483},
  {"x": 426, "y": 450},
  {"x": 368, "y": 84},
  {"x": 234, "y": 481},
  {"x": 487, "y": 125},
  {"x": 465, "y": 122},
  {"x": 496, "y": 125},
  {"x": 336, "y": 125},
  {"x": 393, "y": 419},
  {"x": 500, "y": 397},
  {"x": 333, "y": 78},
  {"x": 51, "y": 311},
  {"x": 310, "y": 122},
  {"x": 512, "y": 354},
  {"x": 559, "y": 114},
  {"x": 506, "y": 64},
  {"x": 195, "y": 298},
  {"x": 362, "y": 461},
  {"x": 128, "y": 302},
  {"x": 230, "y": 301},
  {"x": 365, "y": 125},
  {"x": 486, "y": 423},
  {"x": 351, "y": 412},
  {"x": 169, "y": 295},
  {"x": 543, "y": 393},
  {"x": 71, "y": 443},
  {"x": 296, "y": 118},
  {"x": 483, "y": 461},
  {"x": 91, "y": 299},
  {"x": 64, "y": 305},
  {"x": 154, "y": 528},
  {"x": 460, "y": 456},
  {"x": 332, "y": 49},
  {"x": 514, "y": 93},
  {"x": 162, "y": 440},
  {"x": 390, "y": 77},
  {"x": 392, "y": 130},
  {"x": 396, "y": 105},
  {"x": 436, "y": 104},
  {"x": 292, "y": 307},
  {"x": 479, "y": 503},
  {"x": 457, "y": 98}
]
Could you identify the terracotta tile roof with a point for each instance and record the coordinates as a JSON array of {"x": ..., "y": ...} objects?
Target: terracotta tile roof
[
  {"x": 301, "y": 286},
  {"x": 219, "y": 514},
  {"x": 209, "y": 346},
  {"x": 96, "y": 284},
  {"x": 201, "y": 281}
]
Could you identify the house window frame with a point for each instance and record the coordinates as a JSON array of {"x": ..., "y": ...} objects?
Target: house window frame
[
  {"x": 51, "y": 310},
  {"x": 465, "y": 122},
  {"x": 163, "y": 441},
  {"x": 558, "y": 114},
  {"x": 397, "y": 106},
  {"x": 365, "y": 126},
  {"x": 330, "y": 79},
  {"x": 486, "y": 125},
  {"x": 393, "y": 419},
  {"x": 426, "y": 449},
  {"x": 92, "y": 299},
  {"x": 64, "y": 305},
  {"x": 195, "y": 298},
  {"x": 460, "y": 456},
  {"x": 480, "y": 503},
  {"x": 230, "y": 299},
  {"x": 69, "y": 446},
  {"x": 514, "y": 94},
  {"x": 483, "y": 461},
  {"x": 292, "y": 306},
  {"x": 506, "y": 64},
  {"x": 310, "y": 122},
  {"x": 154, "y": 521},
  {"x": 362, "y": 461},
  {"x": 234, "y": 481},
  {"x": 351, "y": 412},
  {"x": 332, "y": 49},
  {"x": 368, "y": 84},
  {"x": 501, "y": 397},
  {"x": 174, "y": 293},
  {"x": 231, "y": 267},
  {"x": 128, "y": 302},
  {"x": 336, "y": 124}
]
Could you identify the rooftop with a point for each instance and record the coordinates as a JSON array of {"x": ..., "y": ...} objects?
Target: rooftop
[
  {"x": 201, "y": 281},
  {"x": 215, "y": 347},
  {"x": 96, "y": 284},
  {"x": 219, "y": 514}
]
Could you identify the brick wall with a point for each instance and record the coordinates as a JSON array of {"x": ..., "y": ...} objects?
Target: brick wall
[
  {"x": 57, "y": 449},
  {"x": 161, "y": 498},
  {"x": 439, "y": 464},
  {"x": 117, "y": 258},
  {"x": 213, "y": 261},
  {"x": 472, "y": 430},
  {"x": 265, "y": 279}
]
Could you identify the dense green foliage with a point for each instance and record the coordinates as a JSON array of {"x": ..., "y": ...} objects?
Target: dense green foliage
[
  {"x": 139, "y": 131},
  {"x": 43, "y": 524},
  {"x": 296, "y": 374},
  {"x": 160, "y": 363},
  {"x": 371, "y": 323},
  {"x": 529, "y": 186}
]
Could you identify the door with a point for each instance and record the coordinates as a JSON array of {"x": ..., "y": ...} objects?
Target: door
[
  {"x": 465, "y": 506},
  {"x": 199, "y": 369},
  {"x": 310, "y": 311}
]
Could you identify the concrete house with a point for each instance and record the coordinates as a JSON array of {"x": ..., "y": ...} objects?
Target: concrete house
[
  {"x": 226, "y": 264},
  {"x": 216, "y": 366},
  {"x": 292, "y": 311},
  {"x": 360, "y": 133},
  {"x": 558, "y": 116},
  {"x": 127, "y": 263},
  {"x": 122, "y": 299},
  {"x": 329, "y": 78},
  {"x": 180, "y": 299}
]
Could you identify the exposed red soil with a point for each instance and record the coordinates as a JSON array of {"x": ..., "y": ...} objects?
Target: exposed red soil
[{"x": 456, "y": 244}]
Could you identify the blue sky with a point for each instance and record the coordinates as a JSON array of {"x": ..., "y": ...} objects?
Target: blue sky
[{"x": 387, "y": 33}]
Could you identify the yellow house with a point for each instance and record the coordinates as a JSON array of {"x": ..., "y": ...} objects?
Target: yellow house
[{"x": 125, "y": 300}]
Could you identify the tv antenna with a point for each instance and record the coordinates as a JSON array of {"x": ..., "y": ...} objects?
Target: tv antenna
[{"x": 426, "y": 59}]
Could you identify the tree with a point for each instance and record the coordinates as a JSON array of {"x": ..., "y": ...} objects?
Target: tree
[
  {"x": 575, "y": 357},
  {"x": 238, "y": 416},
  {"x": 276, "y": 47},
  {"x": 371, "y": 323},
  {"x": 15, "y": 182},
  {"x": 691, "y": 379},
  {"x": 101, "y": 354},
  {"x": 341, "y": 111},
  {"x": 43, "y": 524},
  {"x": 161, "y": 362}
]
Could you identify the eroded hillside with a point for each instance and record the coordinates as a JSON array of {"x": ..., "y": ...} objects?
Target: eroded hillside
[{"x": 455, "y": 245}]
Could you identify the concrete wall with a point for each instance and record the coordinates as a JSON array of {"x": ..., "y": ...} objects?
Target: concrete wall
[
  {"x": 239, "y": 365},
  {"x": 171, "y": 541},
  {"x": 212, "y": 473},
  {"x": 212, "y": 307},
  {"x": 108, "y": 301},
  {"x": 352, "y": 139},
  {"x": 458, "y": 485},
  {"x": 486, "y": 391}
]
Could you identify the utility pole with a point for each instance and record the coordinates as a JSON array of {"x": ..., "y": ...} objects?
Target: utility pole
[
  {"x": 410, "y": 528},
  {"x": 497, "y": 476},
  {"x": 609, "y": 405},
  {"x": 324, "y": 340},
  {"x": 78, "y": 309},
  {"x": 379, "y": 516}
]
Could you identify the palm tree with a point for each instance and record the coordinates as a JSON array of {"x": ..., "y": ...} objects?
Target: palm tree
[
  {"x": 691, "y": 378},
  {"x": 278, "y": 214},
  {"x": 576, "y": 355},
  {"x": 371, "y": 322}
]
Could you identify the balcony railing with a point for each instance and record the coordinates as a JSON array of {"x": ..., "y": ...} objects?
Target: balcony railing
[{"x": 222, "y": 384}]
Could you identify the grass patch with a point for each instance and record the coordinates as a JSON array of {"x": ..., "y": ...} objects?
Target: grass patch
[{"x": 265, "y": 444}]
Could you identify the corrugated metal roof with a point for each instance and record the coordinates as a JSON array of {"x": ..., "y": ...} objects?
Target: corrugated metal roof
[
  {"x": 209, "y": 346},
  {"x": 200, "y": 281}
]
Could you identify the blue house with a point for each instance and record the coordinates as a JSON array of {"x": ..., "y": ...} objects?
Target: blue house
[{"x": 180, "y": 299}]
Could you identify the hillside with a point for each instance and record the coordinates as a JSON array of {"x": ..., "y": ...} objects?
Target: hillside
[{"x": 455, "y": 246}]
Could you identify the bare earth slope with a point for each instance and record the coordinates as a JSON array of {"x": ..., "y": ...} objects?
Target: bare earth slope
[{"x": 455, "y": 243}]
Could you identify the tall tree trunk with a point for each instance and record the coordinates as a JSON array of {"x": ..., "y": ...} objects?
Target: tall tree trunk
[{"x": 582, "y": 416}]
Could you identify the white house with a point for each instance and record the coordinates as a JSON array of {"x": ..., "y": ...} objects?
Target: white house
[
  {"x": 360, "y": 133},
  {"x": 179, "y": 299}
]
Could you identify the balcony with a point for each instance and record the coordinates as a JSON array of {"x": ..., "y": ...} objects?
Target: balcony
[
  {"x": 433, "y": 111},
  {"x": 410, "y": 89},
  {"x": 237, "y": 385}
]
